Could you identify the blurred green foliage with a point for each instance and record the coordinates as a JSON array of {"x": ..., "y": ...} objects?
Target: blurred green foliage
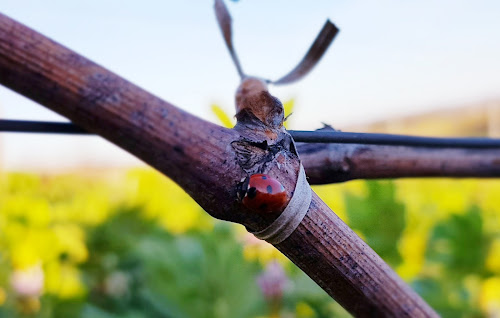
[
  {"x": 132, "y": 244},
  {"x": 379, "y": 217}
]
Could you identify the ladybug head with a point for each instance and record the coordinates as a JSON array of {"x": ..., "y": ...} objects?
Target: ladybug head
[{"x": 242, "y": 188}]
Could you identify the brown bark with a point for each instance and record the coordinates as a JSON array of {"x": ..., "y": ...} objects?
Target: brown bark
[
  {"x": 204, "y": 160},
  {"x": 330, "y": 163}
]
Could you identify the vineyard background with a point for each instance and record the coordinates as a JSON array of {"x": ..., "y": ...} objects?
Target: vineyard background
[{"x": 130, "y": 243}]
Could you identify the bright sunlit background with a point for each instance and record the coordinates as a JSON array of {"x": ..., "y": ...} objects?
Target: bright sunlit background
[
  {"x": 87, "y": 230},
  {"x": 390, "y": 58}
]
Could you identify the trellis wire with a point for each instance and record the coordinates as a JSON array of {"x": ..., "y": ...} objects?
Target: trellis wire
[{"x": 319, "y": 136}]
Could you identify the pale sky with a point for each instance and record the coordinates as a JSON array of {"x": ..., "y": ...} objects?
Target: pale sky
[{"x": 390, "y": 58}]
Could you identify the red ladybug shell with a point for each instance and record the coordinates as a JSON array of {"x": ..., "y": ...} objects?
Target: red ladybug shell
[{"x": 265, "y": 194}]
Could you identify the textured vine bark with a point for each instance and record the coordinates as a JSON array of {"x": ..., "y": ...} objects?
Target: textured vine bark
[
  {"x": 330, "y": 163},
  {"x": 207, "y": 161}
]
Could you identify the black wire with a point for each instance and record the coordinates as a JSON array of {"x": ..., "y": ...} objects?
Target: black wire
[
  {"x": 392, "y": 140},
  {"x": 23, "y": 126},
  {"x": 319, "y": 136}
]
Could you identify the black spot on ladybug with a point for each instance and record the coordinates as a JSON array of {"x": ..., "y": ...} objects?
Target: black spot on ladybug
[
  {"x": 269, "y": 189},
  {"x": 263, "y": 206},
  {"x": 264, "y": 177},
  {"x": 252, "y": 192}
]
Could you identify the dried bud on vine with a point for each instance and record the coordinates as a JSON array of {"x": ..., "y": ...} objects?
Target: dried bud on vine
[{"x": 253, "y": 99}]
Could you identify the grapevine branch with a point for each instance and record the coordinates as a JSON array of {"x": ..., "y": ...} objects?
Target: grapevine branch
[
  {"x": 332, "y": 163},
  {"x": 205, "y": 160}
]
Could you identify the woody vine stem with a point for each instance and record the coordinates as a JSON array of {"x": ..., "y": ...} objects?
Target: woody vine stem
[{"x": 207, "y": 161}]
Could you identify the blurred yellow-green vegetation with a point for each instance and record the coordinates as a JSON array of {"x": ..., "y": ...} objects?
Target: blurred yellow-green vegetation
[{"x": 131, "y": 243}]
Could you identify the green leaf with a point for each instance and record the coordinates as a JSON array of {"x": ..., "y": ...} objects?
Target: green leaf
[
  {"x": 449, "y": 297},
  {"x": 379, "y": 217},
  {"x": 459, "y": 243}
]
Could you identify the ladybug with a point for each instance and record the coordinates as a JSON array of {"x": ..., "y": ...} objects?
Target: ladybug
[{"x": 265, "y": 194}]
